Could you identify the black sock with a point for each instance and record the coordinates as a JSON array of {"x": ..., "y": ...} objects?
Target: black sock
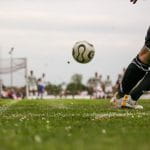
[
  {"x": 143, "y": 86},
  {"x": 134, "y": 73},
  {"x": 147, "y": 38}
]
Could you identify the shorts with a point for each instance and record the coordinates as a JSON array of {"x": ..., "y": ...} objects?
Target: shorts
[
  {"x": 33, "y": 88},
  {"x": 108, "y": 89},
  {"x": 147, "y": 39},
  {"x": 41, "y": 89}
]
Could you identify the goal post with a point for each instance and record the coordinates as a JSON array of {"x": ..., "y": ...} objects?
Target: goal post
[
  {"x": 13, "y": 73},
  {"x": 1, "y": 84}
]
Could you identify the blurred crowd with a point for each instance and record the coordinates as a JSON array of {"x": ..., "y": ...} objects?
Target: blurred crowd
[
  {"x": 105, "y": 88},
  {"x": 38, "y": 88},
  {"x": 35, "y": 88}
]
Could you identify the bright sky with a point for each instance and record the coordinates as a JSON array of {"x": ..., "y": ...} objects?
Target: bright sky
[{"x": 45, "y": 31}]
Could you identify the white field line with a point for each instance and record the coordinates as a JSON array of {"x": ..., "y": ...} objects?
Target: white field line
[
  {"x": 60, "y": 106},
  {"x": 115, "y": 115},
  {"x": 7, "y": 106},
  {"x": 93, "y": 116}
]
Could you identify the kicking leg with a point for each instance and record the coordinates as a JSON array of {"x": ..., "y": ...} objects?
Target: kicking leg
[
  {"x": 143, "y": 86},
  {"x": 135, "y": 71}
]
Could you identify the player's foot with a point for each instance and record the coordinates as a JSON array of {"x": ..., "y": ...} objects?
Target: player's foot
[
  {"x": 127, "y": 102},
  {"x": 116, "y": 102},
  {"x": 124, "y": 102}
]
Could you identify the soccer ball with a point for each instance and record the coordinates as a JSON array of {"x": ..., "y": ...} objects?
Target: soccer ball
[{"x": 83, "y": 52}]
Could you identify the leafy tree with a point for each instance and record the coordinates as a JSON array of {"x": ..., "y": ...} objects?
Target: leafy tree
[
  {"x": 77, "y": 78},
  {"x": 54, "y": 89},
  {"x": 76, "y": 85}
]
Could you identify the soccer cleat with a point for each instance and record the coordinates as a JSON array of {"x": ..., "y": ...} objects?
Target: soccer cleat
[
  {"x": 127, "y": 102},
  {"x": 116, "y": 102}
]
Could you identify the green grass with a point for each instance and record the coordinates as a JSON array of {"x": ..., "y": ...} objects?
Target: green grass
[{"x": 72, "y": 125}]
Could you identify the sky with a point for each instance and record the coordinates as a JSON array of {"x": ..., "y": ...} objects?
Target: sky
[{"x": 44, "y": 31}]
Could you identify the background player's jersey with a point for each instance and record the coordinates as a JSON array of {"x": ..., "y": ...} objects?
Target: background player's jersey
[{"x": 32, "y": 80}]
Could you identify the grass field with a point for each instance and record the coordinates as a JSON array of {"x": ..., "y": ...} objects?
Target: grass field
[{"x": 72, "y": 125}]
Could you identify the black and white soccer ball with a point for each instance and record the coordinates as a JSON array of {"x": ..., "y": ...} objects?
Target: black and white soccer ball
[{"x": 83, "y": 52}]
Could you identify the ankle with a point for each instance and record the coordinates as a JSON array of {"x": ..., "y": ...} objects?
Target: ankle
[{"x": 119, "y": 95}]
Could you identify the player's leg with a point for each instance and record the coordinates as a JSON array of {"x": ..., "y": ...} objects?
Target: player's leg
[
  {"x": 143, "y": 86},
  {"x": 144, "y": 57},
  {"x": 136, "y": 70},
  {"x": 42, "y": 91},
  {"x": 30, "y": 92},
  {"x": 38, "y": 92},
  {"x": 134, "y": 73},
  {"x": 147, "y": 39},
  {"x": 35, "y": 91}
]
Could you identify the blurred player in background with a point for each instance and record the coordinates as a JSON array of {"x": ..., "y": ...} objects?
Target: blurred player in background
[
  {"x": 136, "y": 79},
  {"x": 119, "y": 80},
  {"x": 98, "y": 86},
  {"x": 108, "y": 87},
  {"x": 32, "y": 84},
  {"x": 41, "y": 86}
]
